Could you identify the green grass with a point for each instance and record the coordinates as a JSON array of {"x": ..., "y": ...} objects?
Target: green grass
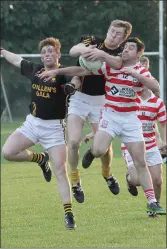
[{"x": 32, "y": 214}]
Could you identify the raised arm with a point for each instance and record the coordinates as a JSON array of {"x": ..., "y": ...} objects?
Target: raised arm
[
  {"x": 78, "y": 49},
  {"x": 149, "y": 82},
  {"x": 12, "y": 58},
  {"x": 114, "y": 62}
]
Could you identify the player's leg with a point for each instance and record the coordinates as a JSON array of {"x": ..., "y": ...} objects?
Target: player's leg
[
  {"x": 137, "y": 152},
  {"x": 156, "y": 175},
  {"x": 102, "y": 139},
  {"x": 75, "y": 126},
  {"x": 16, "y": 148},
  {"x": 77, "y": 113},
  {"x": 58, "y": 158},
  {"x": 132, "y": 179},
  {"x": 106, "y": 162},
  {"x": 101, "y": 143},
  {"x": 52, "y": 138},
  {"x": 132, "y": 137},
  {"x": 154, "y": 161}
]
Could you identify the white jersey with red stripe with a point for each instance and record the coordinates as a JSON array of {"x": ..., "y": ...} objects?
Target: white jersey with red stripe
[
  {"x": 150, "y": 111},
  {"x": 121, "y": 89}
]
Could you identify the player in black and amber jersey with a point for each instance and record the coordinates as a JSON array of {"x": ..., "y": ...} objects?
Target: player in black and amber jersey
[
  {"x": 87, "y": 103},
  {"x": 45, "y": 123},
  {"x": 90, "y": 98}
]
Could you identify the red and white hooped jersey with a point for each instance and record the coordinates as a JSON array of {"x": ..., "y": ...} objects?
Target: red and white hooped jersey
[
  {"x": 121, "y": 89},
  {"x": 151, "y": 110}
]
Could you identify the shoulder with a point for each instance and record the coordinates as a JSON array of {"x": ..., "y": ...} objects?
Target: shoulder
[
  {"x": 91, "y": 40},
  {"x": 35, "y": 66}
]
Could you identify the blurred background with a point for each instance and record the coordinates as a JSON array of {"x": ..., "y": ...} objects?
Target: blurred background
[{"x": 25, "y": 23}]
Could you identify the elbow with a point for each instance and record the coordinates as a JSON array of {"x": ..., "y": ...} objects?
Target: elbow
[
  {"x": 118, "y": 64},
  {"x": 156, "y": 89},
  {"x": 73, "y": 53}
]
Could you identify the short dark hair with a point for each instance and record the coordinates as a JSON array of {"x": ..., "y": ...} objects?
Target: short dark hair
[{"x": 139, "y": 43}]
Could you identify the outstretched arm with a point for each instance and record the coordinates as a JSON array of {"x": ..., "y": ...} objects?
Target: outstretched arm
[
  {"x": 79, "y": 49},
  {"x": 12, "y": 58},
  {"x": 70, "y": 71}
]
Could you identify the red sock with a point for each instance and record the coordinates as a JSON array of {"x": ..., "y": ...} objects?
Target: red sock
[{"x": 150, "y": 195}]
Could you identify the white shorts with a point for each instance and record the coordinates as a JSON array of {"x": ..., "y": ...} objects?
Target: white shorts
[
  {"x": 48, "y": 133},
  {"x": 153, "y": 157},
  {"x": 126, "y": 125},
  {"x": 86, "y": 106}
]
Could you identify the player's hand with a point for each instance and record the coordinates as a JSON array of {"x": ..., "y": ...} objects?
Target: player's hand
[
  {"x": 88, "y": 137},
  {"x": 93, "y": 54},
  {"x": 69, "y": 88},
  {"x": 47, "y": 75},
  {"x": 129, "y": 71},
  {"x": 163, "y": 151}
]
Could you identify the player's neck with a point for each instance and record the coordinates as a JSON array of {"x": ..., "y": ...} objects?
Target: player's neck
[
  {"x": 55, "y": 66},
  {"x": 107, "y": 45},
  {"x": 129, "y": 63},
  {"x": 145, "y": 94}
]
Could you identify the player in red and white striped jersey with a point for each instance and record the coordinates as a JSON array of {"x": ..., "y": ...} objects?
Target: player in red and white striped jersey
[
  {"x": 152, "y": 109},
  {"x": 119, "y": 116}
]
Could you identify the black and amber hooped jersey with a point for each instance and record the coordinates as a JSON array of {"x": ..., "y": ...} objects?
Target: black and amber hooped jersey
[
  {"x": 48, "y": 100},
  {"x": 95, "y": 85}
]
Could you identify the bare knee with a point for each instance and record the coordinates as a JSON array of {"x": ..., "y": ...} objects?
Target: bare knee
[
  {"x": 74, "y": 144},
  {"x": 60, "y": 170},
  {"x": 98, "y": 152},
  {"x": 140, "y": 163},
  {"x": 133, "y": 176},
  {"x": 157, "y": 182},
  {"x": 7, "y": 153}
]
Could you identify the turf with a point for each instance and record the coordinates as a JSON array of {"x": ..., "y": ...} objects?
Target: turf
[{"x": 32, "y": 214}]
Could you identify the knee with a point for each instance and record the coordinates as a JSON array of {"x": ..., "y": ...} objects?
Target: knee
[
  {"x": 98, "y": 152},
  {"x": 60, "y": 171},
  {"x": 74, "y": 144},
  {"x": 133, "y": 178},
  {"x": 7, "y": 153},
  {"x": 140, "y": 163},
  {"x": 157, "y": 182}
]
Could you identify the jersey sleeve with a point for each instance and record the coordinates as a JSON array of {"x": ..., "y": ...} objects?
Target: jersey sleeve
[
  {"x": 87, "y": 40},
  {"x": 144, "y": 71},
  {"x": 67, "y": 79},
  {"x": 29, "y": 68},
  {"x": 161, "y": 116}
]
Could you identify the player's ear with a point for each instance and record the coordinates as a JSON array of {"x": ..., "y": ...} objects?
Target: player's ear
[{"x": 59, "y": 55}]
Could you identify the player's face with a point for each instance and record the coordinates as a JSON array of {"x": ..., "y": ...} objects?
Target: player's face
[
  {"x": 130, "y": 52},
  {"x": 115, "y": 36},
  {"x": 49, "y": 56}
]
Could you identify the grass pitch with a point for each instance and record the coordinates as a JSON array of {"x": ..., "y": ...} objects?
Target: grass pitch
[{"x": 32, "y": 215}]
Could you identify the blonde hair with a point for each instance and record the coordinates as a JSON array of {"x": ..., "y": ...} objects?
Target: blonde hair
[
  {"x": 123, "y": 24},
  {"x": 50, "y": 41}
]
